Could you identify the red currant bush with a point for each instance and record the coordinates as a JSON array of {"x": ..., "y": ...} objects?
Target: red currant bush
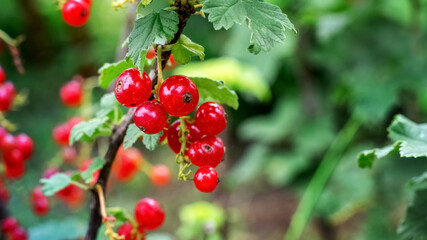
[
  {"x": 206, "y": 152},
  {"x": 178, "y": 95},
  {"x": 150, "y": 117},
  {"x": 75, "y": 13},
  {"x": 160, "y": 175},
  {"x": 130, "y": 89},
  {"x": 206, "y": 179},
  {"x": 149, "y": 214},
  {"x": 210, "y": 118},
  {"x": 71, "y": 93},
  {"x": 193, "y": 134}
]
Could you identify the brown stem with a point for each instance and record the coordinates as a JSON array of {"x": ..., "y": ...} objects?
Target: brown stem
[{"x": 119, "y": 131}]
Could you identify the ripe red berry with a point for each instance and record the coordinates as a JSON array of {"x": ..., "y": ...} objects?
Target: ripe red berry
[
  {"x": 61, "y": 134},
  {"x": 72, "y": 195},
  {"x": 132, "y": 90},
  {"x": 3, "y": 133},
  {"x": 25, "y": 144},
  {"x": 193, "y": 135},
  {"x": 19, "y": 234},
  {"x": 206, "y": 152},
  {"x": 39, "y": 202},
  {"x": 160, "y": 175},
  {"x": 14, "y": 171},
  {"x": 178, "y": 95},
  {"x": 151, "y": 53},
  {"x": 8, "y": 143},
  {"x": 9, "y": 225},
  {"x": 13, "y": 157},
  {"x": 88, "y": 2},
  {"x": 75, "y": 13},
  {"x": 127, "y": 163},
  {"x": 125, "y": 231},
  {"x": 72, "y": 93},
  {"x": 85, "y": 166},
  {"x": 7, "y": 94},
  {"x": 150, "y": 117},
  {"x": 149, "y": 214},
  {"x": 210, "y": 118},
  {"x": 4, "y": 193},
  {"x": 10, "y": 88},
  {"x": 2, "y": 75},
  {"x": 206, "y": 179}
]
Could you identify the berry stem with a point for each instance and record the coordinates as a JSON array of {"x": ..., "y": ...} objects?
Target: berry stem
[
  {"x": 159, "y": 69},
  {"x": 109, "y": 231},
  {"x": 180, "y": 157},
  {"x": 80, "y": 185}
]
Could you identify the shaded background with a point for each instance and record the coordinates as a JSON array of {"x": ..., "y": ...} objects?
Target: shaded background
[{"x": 350, "y": 57}]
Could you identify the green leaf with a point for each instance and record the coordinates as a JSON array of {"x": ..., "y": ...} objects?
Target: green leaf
[
  {"x": 107, "y": 105},
  {"x": 133, "y": 134},
  {"x": 266, "y": 21},
  {"x": 119, "y": 213},
  {"x": 146, "y": 2},
  {"x": 211, "y": 90},
  {"x": 367, "y": 157},
  {"x": 97, "y": 164},
  {"x": 156, "y": 27},
  {"x": 89, "y": 131},
  {"x": 109, "y": 71},
  {"x": 414, "y": 226},
  {"x": 55, "y": 183},
  {"x": 413, "y": 137},
  {"x": 418, "y": 180},
  {"x": 184, "y": 49}
]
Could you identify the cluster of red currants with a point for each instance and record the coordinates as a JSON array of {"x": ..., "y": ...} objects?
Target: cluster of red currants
[
  {"x": 11, "y": 228},
  {"x": 76, "y": 12},
  {"x": 39, "y": 202},
  {"x": 149, "y": 215},
  {"x": 177, "y": 96},
  {"x": 61, "y": 133},
  {"x": 7, "y": 92}
]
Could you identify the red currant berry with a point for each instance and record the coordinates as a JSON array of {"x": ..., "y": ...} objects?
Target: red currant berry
[
  {"x": 206, "y": 179},
  {"x": 151, "y": 53},
  {"x": 6, "y": 98},
  {"x": 132, "y": 90},
  {"x": 174, "y": 134},
  {"x": 61, "y": 134},
  {"x": 85, "y": 166},
  {"x": 69, "y": 154},
  {"x": 13, "y": 157},
  {"x": 160, "y": 175},
  {"x": 149, "y": 214},
  {"x": 178, "y": 95},
  {"x": 125, "y": 231},
  {"x": 10, "y": 88},
  {"x": 8, "y": 143},
  {"x": 3, "y": 133},
  {"x": 4, "y": 193},
  {"x": 2, "y": 75},
  {"x": 206, "y": 152},
  {"x": 72, "y": 195},
  {"x": 127, "y": 163},
  {"x": 14, "y": 171},
  {"x": 72, "y": 94},
  {"x": 9, "y": 225},
  {"x": 75, "y": 13},
  {"x": 39, "y": 202},
  {"x": 25, "y": 144},
  {"x": 73, "y": 122},
  {"x": 19, "y": 234},
  {"x": 150, "y": 117},
  {"x": 210, "y": 118},
  {"x": 88, "y": 2}
]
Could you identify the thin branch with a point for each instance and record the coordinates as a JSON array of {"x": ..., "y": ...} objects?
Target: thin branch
[{"x": 119, "y": 131}]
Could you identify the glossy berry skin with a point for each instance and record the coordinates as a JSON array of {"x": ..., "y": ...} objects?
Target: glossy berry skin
[
  {"x": 193, "y": 135},
  {"x": 13, "y": 157},
  {"x": 18, "y": 234},
  {"x": 61, "y": 134},
  {"x": 39, "y": 202},
  {"x": 2, "y": 75},
  {"x": 210, "y": 118},
  {"x": 149, "y": 214},
  {"x": 14, "y": 171},
  {"x": 131, "y": 90},
  {"x": 8, "y": 143},
  {"x": 127, "y": 163},
  {"x": 3, "y": 133},
  {"x": 206, "y": 152},
  {"x": 25, "y": 144},
  {"x": 75, "y": 13},
  {"x": 72, "y": 94},
  {"x": 6, "y": 98},
  {"x": 160, "y": 175},
  {"x": 9, "y": 88},
  {"x": 206, "y": 179},
  {"x": 88, "y": 2},
  {"x": 125, "y": 231},
  {"x": 9, "y": 225},
  {"x": 178, "y": 95},
  {"x": 150, "y": 117}
]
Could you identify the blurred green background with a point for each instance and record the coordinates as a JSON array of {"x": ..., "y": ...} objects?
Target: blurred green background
[{"x": 363, "y": 58}]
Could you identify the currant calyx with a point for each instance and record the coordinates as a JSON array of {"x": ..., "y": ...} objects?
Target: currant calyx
[
  {"x": 178, "y": 95},
  {"x": 206, "y": 179},
  {"x": 150, "y": 117},
  {"x": 131, "y": 90}
]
